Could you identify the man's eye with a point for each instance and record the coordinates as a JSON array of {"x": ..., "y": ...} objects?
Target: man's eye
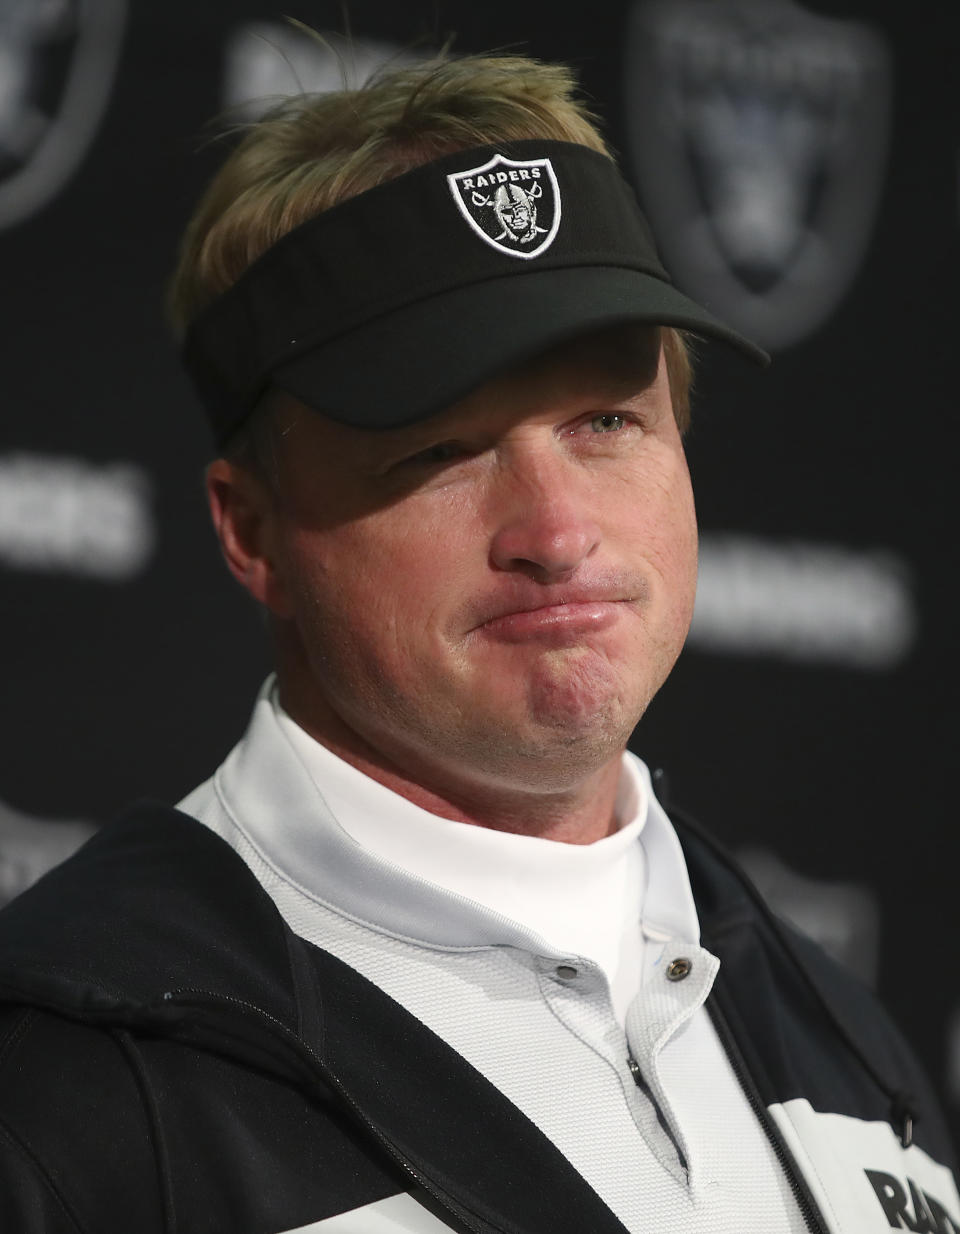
[{"x": 609, "y": 423}]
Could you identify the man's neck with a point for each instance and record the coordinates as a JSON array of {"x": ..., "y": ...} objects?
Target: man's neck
[{"x": 575, "y": 814}]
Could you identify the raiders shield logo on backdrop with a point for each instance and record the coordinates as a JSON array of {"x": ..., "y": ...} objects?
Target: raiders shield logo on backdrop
[
  {"x": 57, "y": 62},
  {"x": 758, "y": 134},
  {"x": 513, "y": 206}
]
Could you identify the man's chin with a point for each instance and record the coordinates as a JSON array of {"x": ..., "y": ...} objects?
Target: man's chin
[
  {"x": 555, "y": 758},
  {"x": 565, "y": 702}
]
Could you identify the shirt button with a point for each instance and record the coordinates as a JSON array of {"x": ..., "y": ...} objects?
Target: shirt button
[
  {"x": 566, "y": 972},
  {"x": 679, "y": 968}
]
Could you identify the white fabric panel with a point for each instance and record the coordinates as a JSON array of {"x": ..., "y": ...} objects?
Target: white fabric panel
[
  {"x": 399, "y": 1214},
  {"x": 836, "y": 1152}
]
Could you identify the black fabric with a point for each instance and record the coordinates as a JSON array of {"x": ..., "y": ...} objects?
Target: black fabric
[
  {"x": 179, "y": 892},
  {"x": 871, "y": 1066},
  {"x": 342, "y": 309},
  {"x": 74, "y": 1132},
  {"x": 462, "y": 1133},
  {"x": 190, "y": 1064},
  {"x": 272, "y": 1115},
  {"x": 247, "y": 1153}
]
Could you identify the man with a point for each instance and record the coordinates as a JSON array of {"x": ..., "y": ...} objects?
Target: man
[{"x": 426, "y": 953}]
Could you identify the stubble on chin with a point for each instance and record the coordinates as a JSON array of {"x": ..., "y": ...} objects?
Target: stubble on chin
[{"x": 578, "y": 696}]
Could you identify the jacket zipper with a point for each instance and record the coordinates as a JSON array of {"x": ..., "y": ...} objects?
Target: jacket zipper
[
  {"x": 302, "y": 1048},
  {"x": 801, "y": 1193}
]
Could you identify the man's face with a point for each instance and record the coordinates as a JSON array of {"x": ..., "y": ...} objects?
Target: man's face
[
  {"x": 494, "y": 595},
  {"x": 516, "y": 216}
]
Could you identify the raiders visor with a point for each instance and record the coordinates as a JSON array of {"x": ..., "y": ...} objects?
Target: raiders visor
[{"x": 389, "y": 307}]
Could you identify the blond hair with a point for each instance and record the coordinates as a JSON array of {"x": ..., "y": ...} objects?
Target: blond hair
[{"x": 313, "y": 151}]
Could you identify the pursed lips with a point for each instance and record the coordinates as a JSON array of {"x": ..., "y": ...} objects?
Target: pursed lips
[{"x": 587, "y": 608}]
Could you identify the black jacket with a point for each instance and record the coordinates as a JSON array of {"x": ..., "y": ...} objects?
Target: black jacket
[{"x": 174, "y": 1059}]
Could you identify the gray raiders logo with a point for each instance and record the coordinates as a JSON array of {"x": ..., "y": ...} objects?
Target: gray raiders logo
[
  {"x": 57, "y": 63},
  {"x": 513, "y": 206},
  {"x": 758, "y": 135}
]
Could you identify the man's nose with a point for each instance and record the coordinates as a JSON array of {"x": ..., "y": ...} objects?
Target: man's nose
[{"x": 544, "y": 521}]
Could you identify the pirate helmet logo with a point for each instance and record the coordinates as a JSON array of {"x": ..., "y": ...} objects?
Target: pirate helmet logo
[
  {"x": 759, "y": 139},
  {"x": 57, "y": 64},
  {"x": 512, "y": 205}
]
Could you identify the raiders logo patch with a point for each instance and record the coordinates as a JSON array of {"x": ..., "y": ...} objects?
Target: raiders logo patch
[{"x": 513, "y": 206}]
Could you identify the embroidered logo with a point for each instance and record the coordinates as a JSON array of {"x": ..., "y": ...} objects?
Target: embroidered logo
[{"x": 513, "y": 206}]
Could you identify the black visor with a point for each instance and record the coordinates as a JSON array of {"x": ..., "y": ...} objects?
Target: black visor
[{"x": 392, "y": 305}]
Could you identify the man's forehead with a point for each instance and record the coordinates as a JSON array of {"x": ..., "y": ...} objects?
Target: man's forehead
[
  {"x": 609, "y": 365},
  {"x": 612, "y": 364},
  {"x": 624, "y": 353}
]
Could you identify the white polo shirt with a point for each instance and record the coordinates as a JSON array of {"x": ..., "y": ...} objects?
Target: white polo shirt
[{"x": 571, "y": 976}]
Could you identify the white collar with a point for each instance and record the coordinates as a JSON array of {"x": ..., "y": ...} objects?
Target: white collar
[{"x": 333, "y": 832}]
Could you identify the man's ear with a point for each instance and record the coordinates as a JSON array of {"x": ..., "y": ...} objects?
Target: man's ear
[{"x": 246, "y": 521}]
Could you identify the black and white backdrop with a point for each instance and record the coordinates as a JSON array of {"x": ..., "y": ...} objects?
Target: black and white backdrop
[{"x": 800, "y": 166}]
